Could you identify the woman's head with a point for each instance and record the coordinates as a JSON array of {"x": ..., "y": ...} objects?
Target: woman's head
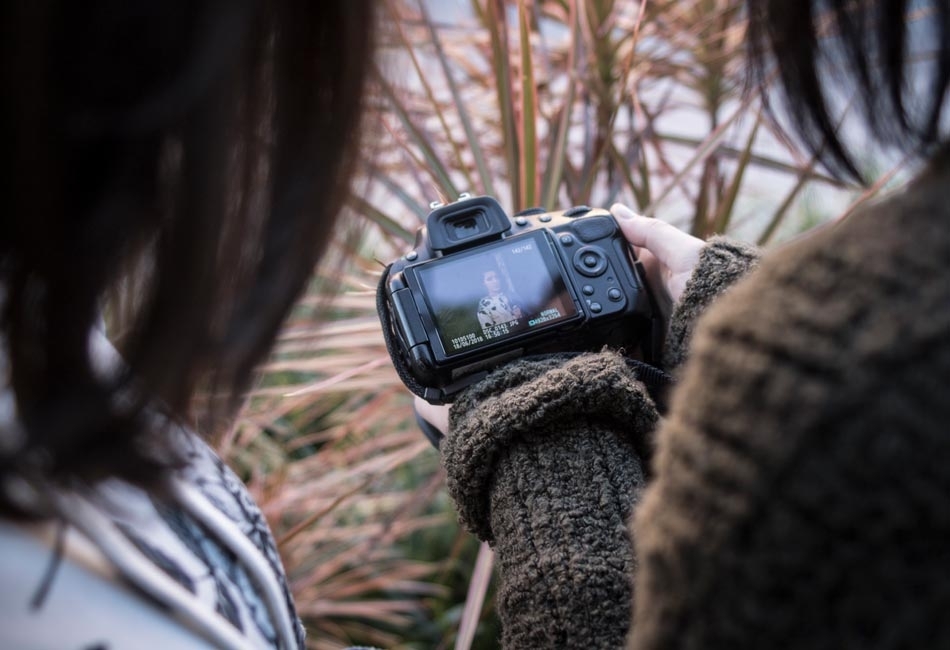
[
  {"x": 889, "y": 59},
  {"x": 206, "y": 144},
  {"x": 492, "y": 282}
]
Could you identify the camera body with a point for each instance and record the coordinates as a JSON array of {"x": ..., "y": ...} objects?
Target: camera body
[{"x": 481, "y": 288}]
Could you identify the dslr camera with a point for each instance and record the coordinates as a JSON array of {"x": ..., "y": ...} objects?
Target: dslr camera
[{"x": 481, "y": 288}]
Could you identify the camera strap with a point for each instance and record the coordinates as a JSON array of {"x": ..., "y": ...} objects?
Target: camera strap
[{"x": 657, "y": 381}]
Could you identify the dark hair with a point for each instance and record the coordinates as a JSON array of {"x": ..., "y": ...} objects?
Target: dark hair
[
  {"x": 893, "y": 54},
  {"x": 206, "y": 143}
]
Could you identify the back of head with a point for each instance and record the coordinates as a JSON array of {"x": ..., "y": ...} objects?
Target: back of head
[
  {"x": 887, "y": 60},
  {"x": 204, "y": 145}
]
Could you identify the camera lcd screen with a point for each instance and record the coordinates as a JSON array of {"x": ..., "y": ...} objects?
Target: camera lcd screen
[{"x": 495, "y": 292}]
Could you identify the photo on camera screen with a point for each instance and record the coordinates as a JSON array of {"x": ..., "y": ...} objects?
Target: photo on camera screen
[{"x": 495, "y": 292}]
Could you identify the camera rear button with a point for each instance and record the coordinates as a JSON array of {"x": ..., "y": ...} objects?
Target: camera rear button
[
  {"x": 596, "y": 307},
  {"x": 566, "y": 239},
  {"x": 615, "y": 294},
  {"x": 590, "y": 261},
  {"x": 544, "y": 218},
  {"x": 521, "y": 221},
  {"x": 588, "y": 290}
]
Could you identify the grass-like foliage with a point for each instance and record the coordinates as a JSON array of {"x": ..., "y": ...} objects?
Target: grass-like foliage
[{"x": 547, "y": 103}]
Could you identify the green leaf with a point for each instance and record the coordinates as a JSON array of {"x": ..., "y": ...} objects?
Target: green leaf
[
  {"x": 390, "y": 182},
  {"x": 434, "y": 165},
  {"x": 780, "y": 213},
  {"x": 557, "y": 156},
  {"x": 528, "y": 175},
  {"x": 422, "y": 77},
  {"x": 765, "y": 162},
  {"x": 702, "y": 152},
  {"x": 726, "y": 205},
  {"x": 501, "y": 66},
  {"x": 472, "y": 137},
  {"x": 377, "y": 217}
]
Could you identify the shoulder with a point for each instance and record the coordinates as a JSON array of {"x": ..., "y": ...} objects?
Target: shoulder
[
  {"x": 809, "y": 422},
  {"x": 202, "y": 554},
  {"x": 838, "y": 332},
  {"x": 81, "y": 604},
  {"x": 830, "y": 319},
  {"x": 860, "y": 291}
]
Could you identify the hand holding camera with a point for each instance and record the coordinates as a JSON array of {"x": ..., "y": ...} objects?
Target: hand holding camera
[
  {"x": 481, "y": 288},
  {"x": 668, "y": 254}
]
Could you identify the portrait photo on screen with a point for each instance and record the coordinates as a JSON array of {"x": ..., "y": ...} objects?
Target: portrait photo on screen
[{"x": 495, "y": 292}]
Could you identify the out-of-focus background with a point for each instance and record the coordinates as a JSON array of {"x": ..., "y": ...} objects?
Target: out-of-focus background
[{"x": 547, "y": 103}]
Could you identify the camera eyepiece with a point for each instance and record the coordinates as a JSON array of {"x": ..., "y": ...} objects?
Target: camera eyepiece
[{"x": 465, "y": 223}]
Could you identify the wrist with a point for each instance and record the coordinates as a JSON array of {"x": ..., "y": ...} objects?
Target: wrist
[
  {"x": 722, "y": 262},
  {"x": 523, "y": 403}
]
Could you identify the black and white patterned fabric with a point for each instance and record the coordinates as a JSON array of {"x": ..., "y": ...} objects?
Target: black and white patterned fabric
[
  {"x": 227, "y": 493},
  {"x": 124, "y": 569},
  {"x": 232, "y": 589},
  {"x": 496, "y": 310}
]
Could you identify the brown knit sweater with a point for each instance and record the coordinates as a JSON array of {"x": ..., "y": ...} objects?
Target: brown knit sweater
[{"x": 800, "y": 492}]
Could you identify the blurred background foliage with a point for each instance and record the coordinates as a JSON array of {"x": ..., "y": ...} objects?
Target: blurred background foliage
[{"x": 546, "y": 103}]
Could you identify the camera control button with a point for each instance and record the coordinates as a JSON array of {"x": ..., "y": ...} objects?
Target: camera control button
[
  {"x": 577, "y": 211},
  {"x": 593, "y": 228},
  {"x": 422, "y": 357},
  {"x": 596, "y": 307},
  {"x": 588, "y": 290},
  {"x": 566, "y": 239},
  {"x": 412, "y": 256},
  {"x": 615, "y": 294},
  {"x": 544, "y": 218},
  {"x": 521, "y": 221},
  {"x": 590, "y": 261}
]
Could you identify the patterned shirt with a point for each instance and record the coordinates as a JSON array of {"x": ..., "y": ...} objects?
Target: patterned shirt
[
  {"x": 495, "y": 310},
  {"x": 120, "y": 566}
]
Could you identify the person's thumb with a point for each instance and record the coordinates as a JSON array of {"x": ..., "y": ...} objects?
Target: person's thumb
[{"x": 676, "y": 250}]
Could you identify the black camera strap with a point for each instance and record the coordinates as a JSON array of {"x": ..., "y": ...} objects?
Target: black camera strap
[{"x": 657, "y": 381}]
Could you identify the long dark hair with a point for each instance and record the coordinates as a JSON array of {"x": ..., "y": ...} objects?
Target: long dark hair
[
  {"x": 207, "y": 144},
  {"x": 893, "y": 55}
]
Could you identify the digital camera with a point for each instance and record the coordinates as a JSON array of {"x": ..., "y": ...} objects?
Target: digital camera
[{"x": 480, "y": 288}]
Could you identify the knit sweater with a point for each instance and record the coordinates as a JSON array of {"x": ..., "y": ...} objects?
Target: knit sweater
[
  {"x": 545, "y": 460},
  {"x": 552, "y": 490},
  {"x": 799, "y": 496}
]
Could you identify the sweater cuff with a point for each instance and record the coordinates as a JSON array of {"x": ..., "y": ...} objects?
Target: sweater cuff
[
  {"x": 528, "y": 399},
  {"x": 721, "y": 263}
]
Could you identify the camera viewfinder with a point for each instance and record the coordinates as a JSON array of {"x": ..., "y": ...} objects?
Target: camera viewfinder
[{"x": 465, "y": 223}]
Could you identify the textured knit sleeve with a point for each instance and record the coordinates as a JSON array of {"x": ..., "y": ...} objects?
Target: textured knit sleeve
[
  {"x": 543, "y": 463},
  {"x": 721, "y": 263},
  {"x": 799, "y": 494}
]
